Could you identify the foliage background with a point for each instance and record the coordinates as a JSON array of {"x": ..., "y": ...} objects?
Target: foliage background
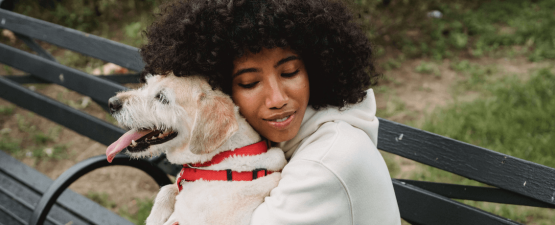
[{"x": 481, "y": 73}]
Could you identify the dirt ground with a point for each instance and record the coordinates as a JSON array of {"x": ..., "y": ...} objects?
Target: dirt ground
[{"x": 419, "y": 93}]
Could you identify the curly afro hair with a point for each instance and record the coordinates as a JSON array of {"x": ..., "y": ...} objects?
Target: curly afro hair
[{"x": 204, "y": 37}]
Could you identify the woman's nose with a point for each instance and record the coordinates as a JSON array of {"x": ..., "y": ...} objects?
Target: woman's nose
[{"x": 276, "y": 96}]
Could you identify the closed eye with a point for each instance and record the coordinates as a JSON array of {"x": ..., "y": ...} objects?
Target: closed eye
[
  {"x": 248, "y": 86},
  {"x": 162, "y": 98},
  {"x": 290, "y": 74}
]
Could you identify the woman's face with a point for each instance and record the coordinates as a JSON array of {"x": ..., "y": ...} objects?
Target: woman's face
[{"x": 272, "y": 91}]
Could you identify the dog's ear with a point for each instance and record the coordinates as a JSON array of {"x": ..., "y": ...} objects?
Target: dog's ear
[{"x": 215, "y": 122}]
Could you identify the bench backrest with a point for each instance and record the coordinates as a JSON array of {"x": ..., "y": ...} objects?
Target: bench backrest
[{"x": 517, "y": 181}]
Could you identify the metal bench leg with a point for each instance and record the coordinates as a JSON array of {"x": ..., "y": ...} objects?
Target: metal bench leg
[{"x": 75, "y": 172}]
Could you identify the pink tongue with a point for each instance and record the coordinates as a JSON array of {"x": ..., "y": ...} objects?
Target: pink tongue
[{"x": 123, "y": 142}]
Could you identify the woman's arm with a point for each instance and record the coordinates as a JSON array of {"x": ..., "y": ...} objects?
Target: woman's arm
[
  {"x": 337, "y": 176},
  {"x": 307, "y": 194}
]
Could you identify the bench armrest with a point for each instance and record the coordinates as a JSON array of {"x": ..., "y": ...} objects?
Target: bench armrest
[{"x": 84, "y": 167}]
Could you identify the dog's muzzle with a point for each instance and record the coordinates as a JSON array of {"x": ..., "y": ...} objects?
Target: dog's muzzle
[{"x": 115, "y": 104}]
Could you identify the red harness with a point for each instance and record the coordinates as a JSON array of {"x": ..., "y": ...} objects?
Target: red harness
[{"x": 190, "y": 173}]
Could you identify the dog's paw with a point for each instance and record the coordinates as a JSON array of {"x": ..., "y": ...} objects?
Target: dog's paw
[
  {"x": 156, "y": 220},
  {"x": 173, "y": 221},
  {"x": 268, "y": 182},
  {"x": 275, "y": 178},
  {"x": 163, "y": 205}
]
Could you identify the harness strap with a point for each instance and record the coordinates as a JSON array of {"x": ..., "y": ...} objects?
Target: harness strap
[
  {"x": 192, "y": 174},
  {"x": 189, "y": 174}
]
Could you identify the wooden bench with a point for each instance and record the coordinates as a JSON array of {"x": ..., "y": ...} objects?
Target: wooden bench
[{"x": 513, "y": 180}]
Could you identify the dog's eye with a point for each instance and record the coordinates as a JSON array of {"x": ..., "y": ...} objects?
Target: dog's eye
[{"x": 162, "y": 98}]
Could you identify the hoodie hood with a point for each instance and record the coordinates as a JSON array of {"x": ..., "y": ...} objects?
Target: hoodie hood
[{"x": 361, "y": 116}]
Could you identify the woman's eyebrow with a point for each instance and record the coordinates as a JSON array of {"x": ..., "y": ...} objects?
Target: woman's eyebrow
[
  {"x": 247, "y": 70},
  {"x": 284, "y": 60}
]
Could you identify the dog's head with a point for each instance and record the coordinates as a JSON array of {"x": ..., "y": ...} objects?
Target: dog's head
[{"x": 169, "y": 113}]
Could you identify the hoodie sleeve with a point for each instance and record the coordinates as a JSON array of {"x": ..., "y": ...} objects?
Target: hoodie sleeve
[
  {"x": 307, "y": 194},
  {"x": 337, "y": 176}
]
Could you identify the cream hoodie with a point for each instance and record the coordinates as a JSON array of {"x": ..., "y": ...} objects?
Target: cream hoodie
[{"x": 335, "y": 174}]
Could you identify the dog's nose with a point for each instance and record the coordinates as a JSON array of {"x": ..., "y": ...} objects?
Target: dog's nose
[{"x": 115, "y": 104}]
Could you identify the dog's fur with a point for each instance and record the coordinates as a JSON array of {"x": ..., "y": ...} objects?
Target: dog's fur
[{"x": 207, "y": 123}]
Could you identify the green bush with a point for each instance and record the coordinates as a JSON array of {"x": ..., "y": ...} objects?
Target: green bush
[
  {"x": 480, "y": 26},
  {"x": 85, "y": 15}
]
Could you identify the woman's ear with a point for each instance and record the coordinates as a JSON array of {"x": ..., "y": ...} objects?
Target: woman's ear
[{"x": 215, "y": 122}]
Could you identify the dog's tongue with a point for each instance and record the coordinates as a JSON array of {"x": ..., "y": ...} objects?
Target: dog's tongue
[{"x": 123, "y": 142}]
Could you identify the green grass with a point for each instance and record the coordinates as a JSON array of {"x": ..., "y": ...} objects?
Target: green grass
[
  {"x": 6, "y": 110},
  {"x": 8, "y": 70},
  {"x": 79, "y": 61},
  {"x": 394, "y": 107},
  {"x": 9, "y": 144},
  {"x": 42, "y": 138},
  {"x": 516, "y": 119},
  {"x": 428, "y": 68},
  {"x": 46, "y": 152},
  {"x": 37, "y": 144},
  {"x": 24, "y": 125},
  {"x": 476, "y": 76},
  {"x": 139, "y": 217},
  {"x": 393, "y": 63},
  {"x": 102, "y": 199}
]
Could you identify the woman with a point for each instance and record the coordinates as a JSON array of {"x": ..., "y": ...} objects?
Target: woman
[{"x": 298, "y": 70}]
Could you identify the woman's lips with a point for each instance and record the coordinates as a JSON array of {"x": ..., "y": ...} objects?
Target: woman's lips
[{"x": 282, "y": 125}]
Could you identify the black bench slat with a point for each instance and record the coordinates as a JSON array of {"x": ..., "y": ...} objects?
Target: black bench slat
[
  {"x": 27, "y": 79},
  {"x": 74, "y": 40},
  {"x": 69, "y": 205},
  {"x": 477, "y": 163},
  {"x": 20, "y": 212},
  {"x": 485, "y": 194},
  {"x": 98, "y": 89},
  {"x": 74, "y": 119},
  {"x": 25, "y": 207},
  {"x": 117, "y": 78},
  {"x": 9, "y": 217},
  {"x": 423, "y": 207},
  {"x": 26, "y": 198}
]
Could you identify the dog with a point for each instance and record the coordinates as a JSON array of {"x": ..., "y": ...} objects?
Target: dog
[{"x": 227, "y": 170}]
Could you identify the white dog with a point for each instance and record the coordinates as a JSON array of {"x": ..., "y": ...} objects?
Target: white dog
[{"x": 222, "y": 181}]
